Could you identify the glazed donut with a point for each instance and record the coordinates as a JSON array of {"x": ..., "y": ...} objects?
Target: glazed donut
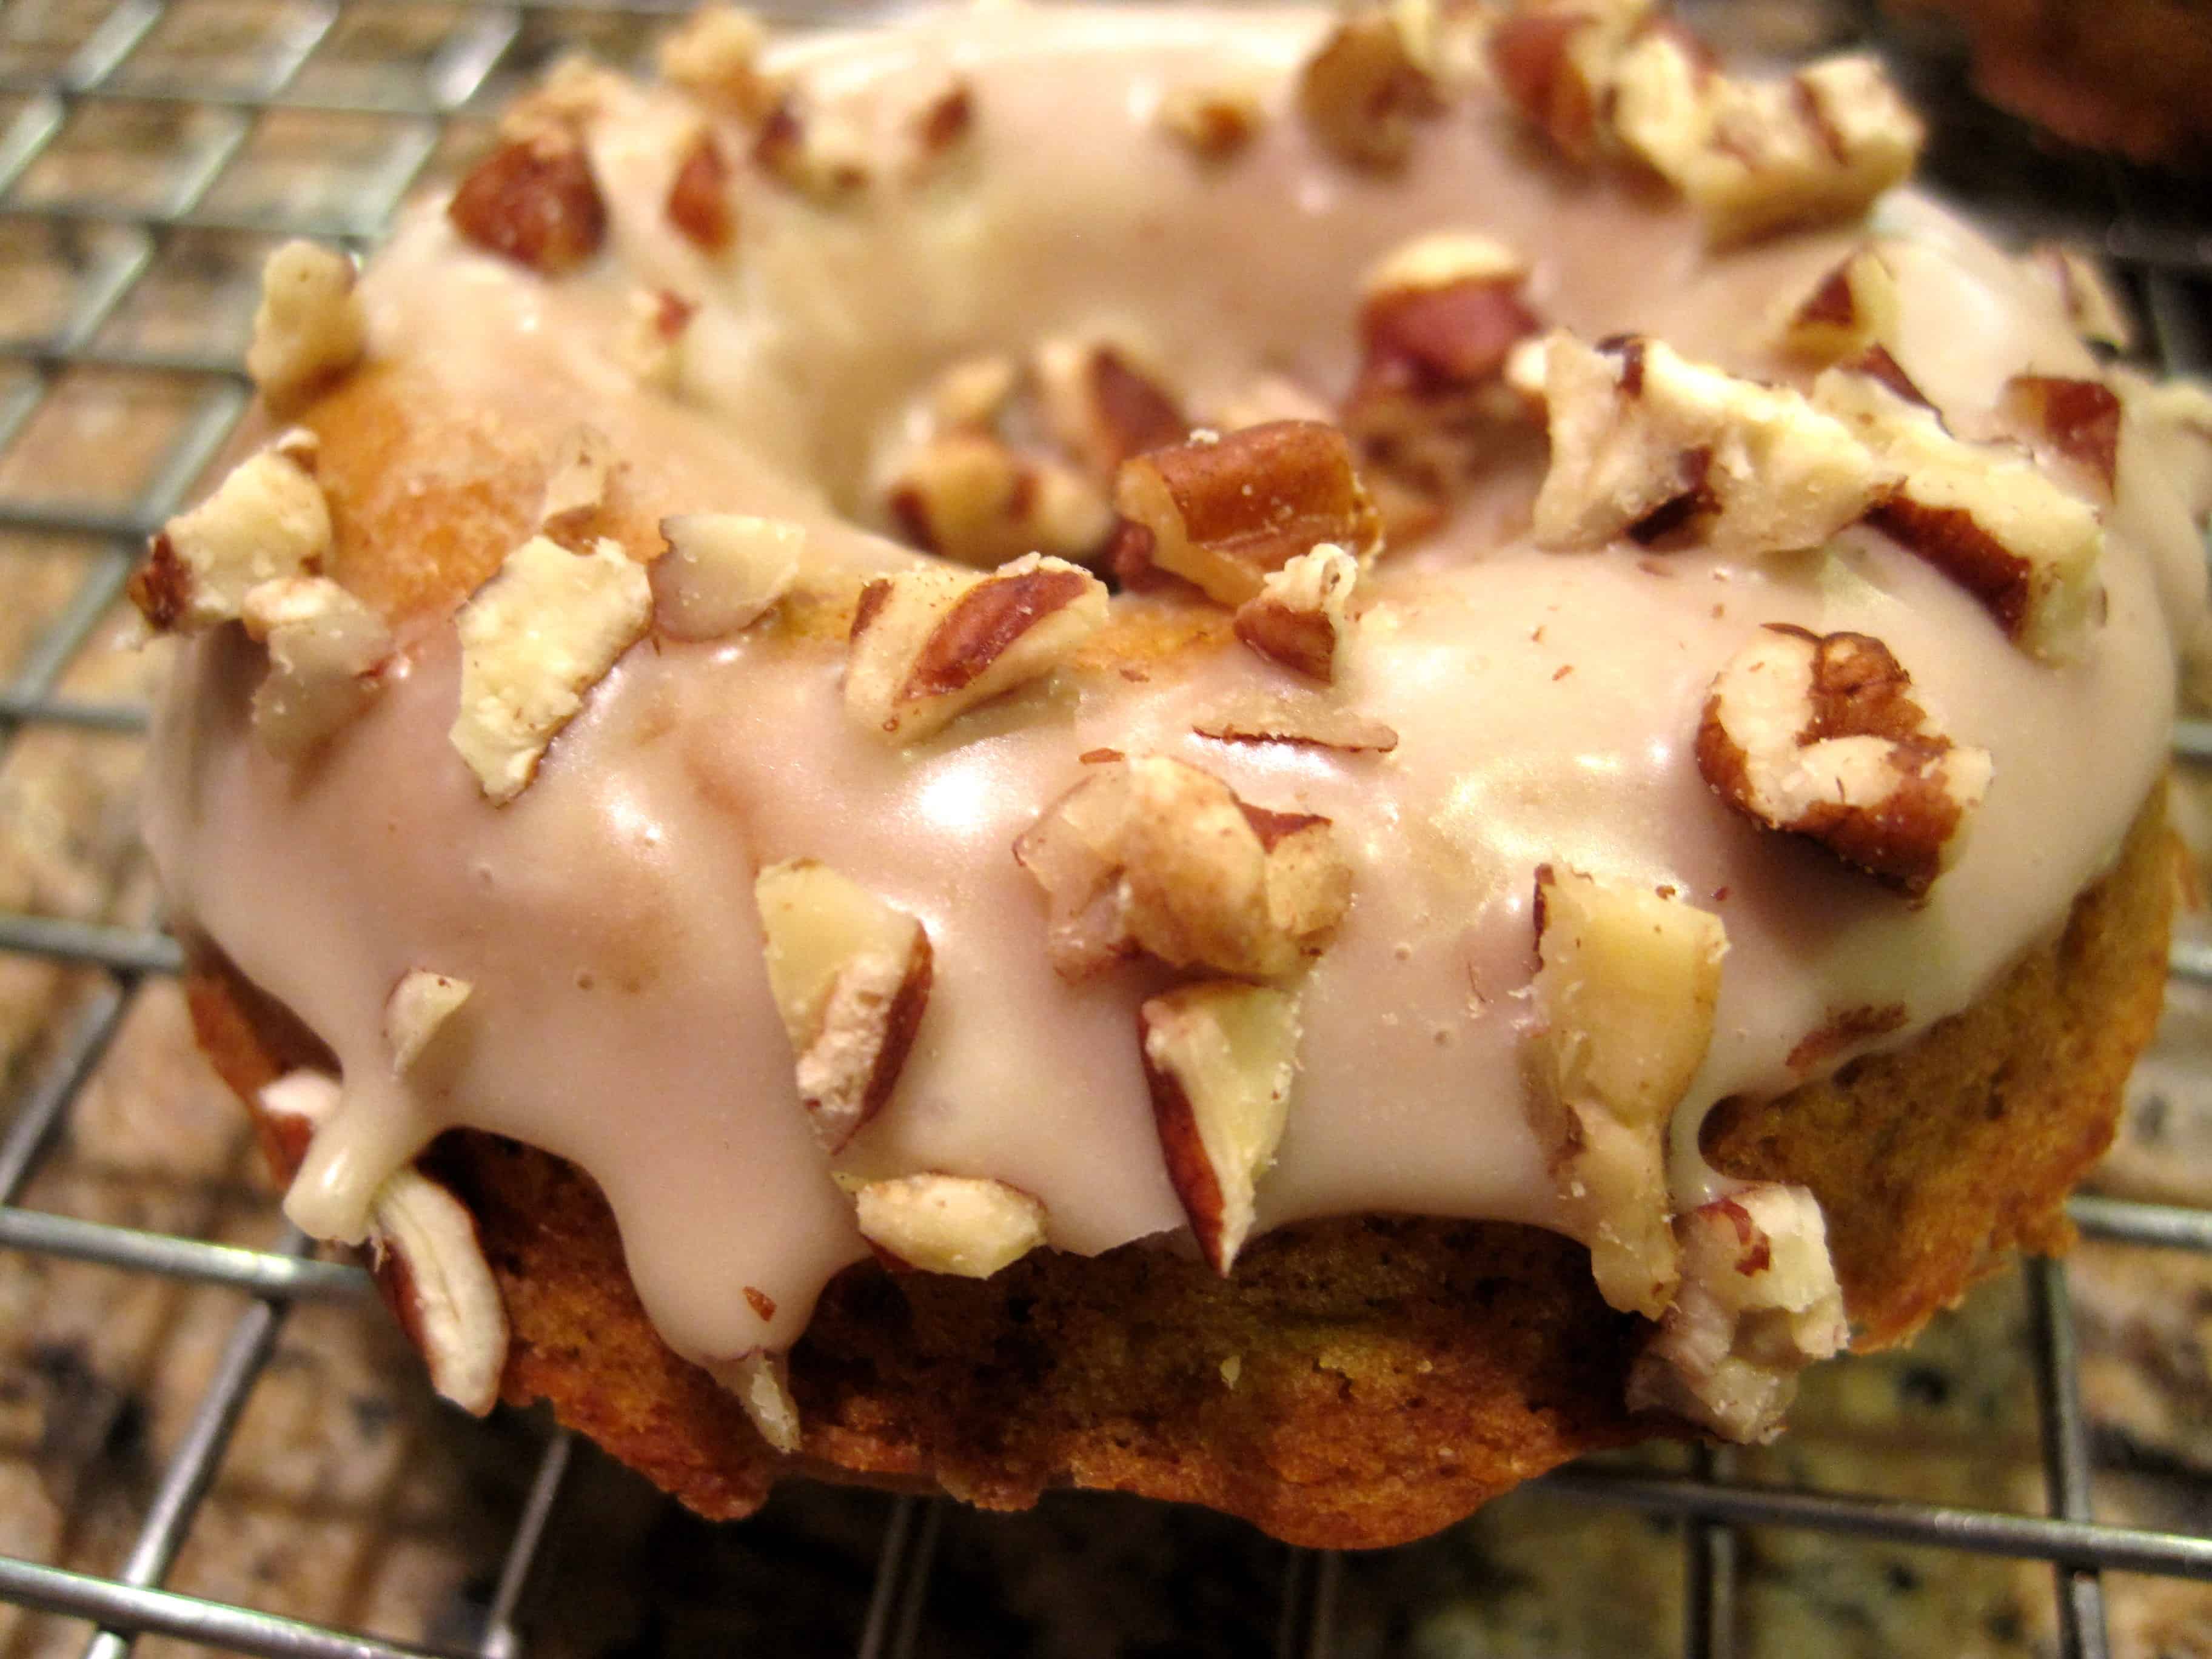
[{"x": 1289, "y": 761}]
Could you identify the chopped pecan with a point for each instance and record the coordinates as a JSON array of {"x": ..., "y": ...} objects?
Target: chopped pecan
[
  {"x": 2024, "y": 548},
  {"x": 814, "y": 152},
  {"x": 2080, "y": 419},
  {"x": 1819, "y": 736},
  {"x": 1152, "y": 854},
  {"x": 2084, "y": 288},
  {"x": 267, "y": 519},
  {"x": 968, "y": 1225},
  {"x": 533, "y": 200},
  {"x": 1216, "y": 122},
  {"x": 1758, "y": 1303},
  {"x": 326, "y": 656},
  {"x": 1102, "y": 406},
  {"x": 698, "y": 197},
  {"x": 944, "y": 123},
  {"x": 534, "y": 639},
  {"x": 1648, "y": 446},
  {"x": 309, "y": 328},
  {"x": 1219, "y": 1058},
  {"x": 971, "y": 497},
  {"x": 850, "y": 975},
  {"x": 928, "y": 644},
  {"x": 1299, "y": 617},
  {"x": 1626, "y": 986},
  {"x": 722, "y": 572},
  {"x": 1851, "y": 310},
  {"x": 576, "y": 482},
  {"x": 651, "y": 343},
  {"x": 1758, "y": 157},
  {"x": 1224, "y": 513},
  {"x": 1438, "y": 319},
  {"x": 1308, "y": 718},
  {"x": 715, "y": 57},
  {"x": 1364, "y": 89}
]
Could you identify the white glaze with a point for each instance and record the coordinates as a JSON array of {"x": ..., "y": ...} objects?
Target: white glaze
[{"x": 621, "y": 1017}]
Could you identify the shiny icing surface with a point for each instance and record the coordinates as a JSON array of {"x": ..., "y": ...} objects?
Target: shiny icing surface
[{"x": 1546, "y": 703}]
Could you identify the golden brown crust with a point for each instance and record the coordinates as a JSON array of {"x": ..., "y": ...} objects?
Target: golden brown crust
[{"x": 1356, "y": 1382}]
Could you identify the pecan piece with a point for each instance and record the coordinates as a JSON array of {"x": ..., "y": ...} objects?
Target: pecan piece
[
  {"x": 1758, "y": 1303},
  {"x": 929, "y": 644},
  {"x": 1647, "y": 445},
  {"x": 698, "y": 197},
  {"x": 2023, "y": 547},
  {"x": 1626, "y": 986},
  {"x": 533, "y": 200},
  {"x": 1364, "y": 89},
  {"x": 1819, "y": 736},
  {"x": 1224, "y": 513},
  {"x": 266, "y": 520},
  {"x": 1299, "y": 617},
  {"x": 1152, "y": 854},
  {"x": 309, "y": 328}
]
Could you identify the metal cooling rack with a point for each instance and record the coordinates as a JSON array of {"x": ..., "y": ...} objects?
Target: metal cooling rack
[{"x": 382, "y": 88}]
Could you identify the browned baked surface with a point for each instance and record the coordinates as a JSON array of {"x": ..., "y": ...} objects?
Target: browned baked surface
[
  {"x": 2127, "y": 77},
  {"x": 1390, "y": 1374}
]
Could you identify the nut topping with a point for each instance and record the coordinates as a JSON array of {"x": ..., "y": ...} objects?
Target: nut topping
[
  {"x": 1361, "y": 92},
  {"x": 716, "y": 56},
  {"x": 929, "y": 644},
  {"x": 1758, "y": 157},
  {"x": 1308, "y": 718},
  {"x": 1627, "y": 990},
  {"x": 1224, "y": 514},
  {"x": 947, "y": 1224},
  {"x": 651, "y": 339},
  {"x": 1853, "y": 308},
  {"x": 1299, "y": 618},
  {"x": 1438, "y": 319},
  {"x": 762, "y": 1381},
  {"x": 576, "y": 484},
  {"x": 698, "y": 197},
  {"x": 423, "y": 1243},
  {"x": 1152, "y": 855},
  {"x": 1219, "y": 1058},
  {"x": 431, "y": 1267},
  {"x": 850, "y": 975},
  {"x": 1983, "y": 515},
  {"x": 418, "y": 1010},
  {"x": 1102, "y": 406},
  {"x": 309, "y": 328},
  {"x": 327, "y": 651},
  {"x": 972, "y": 498},
  {"x": 2095, "y": 309},
  {"x": 534, "y": 639},
  {"x": 1758, "y": 1303},
  {"x": 2080, "y": 419},
  {"x": 1215, "y": 122},
  {"x": 267, "y": 519},
  {"x": 972, "y": 394},
  {"x": 723, "y": 572},
  {"x": 944, "y": 123},
  {"x": 1817, "y": 735},
  {"x": 1648, "y": 445},
  {"x": 1554, "y": 65},
  {"x": 815, "y": 153},
  {"x": 533, "y": 200}
]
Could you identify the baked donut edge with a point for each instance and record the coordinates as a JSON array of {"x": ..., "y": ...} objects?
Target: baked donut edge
[{"x": 1358, "y": 1383}]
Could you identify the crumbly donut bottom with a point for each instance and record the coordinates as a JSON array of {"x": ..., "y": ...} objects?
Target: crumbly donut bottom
[{"x": 1357, "y": 1382}]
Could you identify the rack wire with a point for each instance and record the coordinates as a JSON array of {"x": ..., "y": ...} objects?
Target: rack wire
[{"x": 410, "y": 77}]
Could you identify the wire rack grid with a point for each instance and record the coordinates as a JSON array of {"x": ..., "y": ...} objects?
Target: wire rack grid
[{"x": 217, "y": 98}]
